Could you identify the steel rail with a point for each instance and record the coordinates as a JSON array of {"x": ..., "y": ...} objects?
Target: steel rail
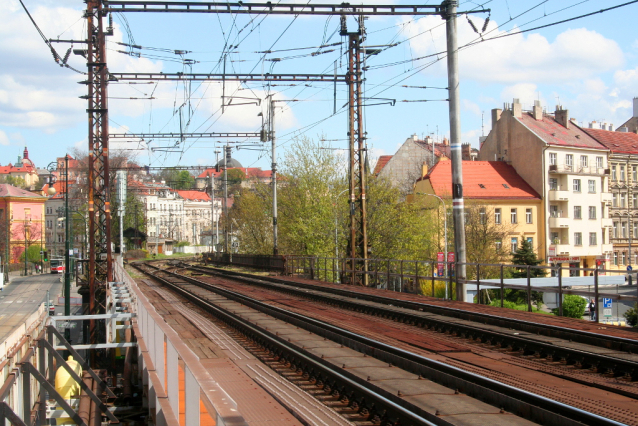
[
  {"x": 579, "y": 336},
  {"x": 363, "y": 389},
  {"x": 532, "y": 406},
  {"x": 602, "y": 362}
]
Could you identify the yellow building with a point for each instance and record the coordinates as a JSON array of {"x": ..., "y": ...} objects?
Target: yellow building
[{"x": 503, "y": 205}]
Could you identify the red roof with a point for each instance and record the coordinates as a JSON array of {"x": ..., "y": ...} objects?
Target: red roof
[
  {"x": 7, "y": 190},
  {"x": 193, "y": 195},
  {"x": 381, "y": 162},
  {"x": 250, "y": 172},
  {"x": 26, "y": 167},
  {"x": 553, "y": 133},
  {"x": 618, "y": 142},
  {"x": 482, "y": 180}
]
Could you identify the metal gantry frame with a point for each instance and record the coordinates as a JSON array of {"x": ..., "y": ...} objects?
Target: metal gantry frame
[{"x": 99, "y": 209}]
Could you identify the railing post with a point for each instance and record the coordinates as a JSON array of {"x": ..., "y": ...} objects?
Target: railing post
[
  {"x": 401, "y": 279},
  {"x": 387, "y": 284},
  {"x": 433, "y": 266},
  {"x": 596, "y": 295},
  {"x": 42, "y": 407},
  {"x": 448, "y": 282},
  {"x": 529, "y": 291},
  {"x": 502, "y": 286},
  {"x": 560, "y": 289},
  {"x": 26, "y": 393},
  {"x": 478, "y": 284},
  {"x": 417, "y": 285}
]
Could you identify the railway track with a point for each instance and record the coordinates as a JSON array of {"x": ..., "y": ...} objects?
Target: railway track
[
  {"x": 606, "y": 354},
  {"x": 365, "y": 396}
]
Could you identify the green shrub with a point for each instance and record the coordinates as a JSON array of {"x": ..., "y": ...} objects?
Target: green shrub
[
  {"x": 513, "y": 305},
  {"x": 632, "y": 316},
  {"x": 573, "y": 306},
  {"x": 182, "y": 244}
]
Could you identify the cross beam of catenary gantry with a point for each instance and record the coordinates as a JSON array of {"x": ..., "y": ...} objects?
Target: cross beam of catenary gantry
[
  {"x": 303, "y": 78},
  {"x": 271, "y": 8},
  {"x": 184, "y": 135}
]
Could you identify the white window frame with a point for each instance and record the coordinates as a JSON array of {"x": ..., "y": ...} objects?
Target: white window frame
[
  {"x": 569, "y": 160},
  {"x": 514, "y": 216},
  {"x": 591, "y": 186},
  {"x": 593, "y": 240},
  {"x": 578, "y": 238},
  {"x": 592, "y": 212},
  {"x": 599, "y": 162},
  {"x": 578, "y": 212},
  {"x": 584, "y": 160},
  {"x": 528, "y": 216},
  {"x": 576, "y": 185},
  {"x": 497, "y": 216},
  {"x": 552, "y": 158}
]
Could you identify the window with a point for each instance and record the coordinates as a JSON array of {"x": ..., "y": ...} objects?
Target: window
[
  {"x": 623, "y": 258},
  {"x": 553, "y": 211},
  {"x": 635, "y": 230},
  {"x": 634, "y": 173},
  {"x": 635, "y": 200},
  {"x": 554, "y": 238},
  {"x": 569, "y": 160},
  {"x": 553, "y": 184},
  {"x": 592, "y": 212},
  {"x": 514, "y": 244},
  {"x": 528, "y": 215},
  {"x": 623, "y": 198},
  {"x": 497, "y": 216},
  {"x": 591, "y": 185},
  {"x": 513, "y": 217},
  {"x": 613, "y": 173},
  {"x": 577, "y": 212},
  {"x": 615, "y": 228},
  {"x": 530, "y": 240},
  {"x": 615, "y": 258},
  {"x": 483, "y": 216},
  {"x": 614, "y": 200},
  {"x": 583, "y": 161},
  {"x": 552, "y": 158},
  {"x": 592, "y": 239},
  {"x": 623, "y": 230},
  {"x": 599, "y": 162},
  {"x": 578, "y": 238},
  {"x": 576, "y": 185},
  {"x": 622, "y": 173}
]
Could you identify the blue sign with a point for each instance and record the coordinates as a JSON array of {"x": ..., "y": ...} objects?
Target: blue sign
[
  {"x": 629, "y": 268},
  {"x": 606, "y": 302}
]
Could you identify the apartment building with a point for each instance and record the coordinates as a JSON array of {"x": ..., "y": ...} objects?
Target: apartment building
[
  {"x": 623, "y": 200},
  {"x": 569, "y": 169}
]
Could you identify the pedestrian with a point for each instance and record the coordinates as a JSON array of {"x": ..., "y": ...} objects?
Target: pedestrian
[{"x": 592, "y": 310}]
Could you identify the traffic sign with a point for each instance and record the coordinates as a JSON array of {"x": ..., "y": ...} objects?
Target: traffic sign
[
  {"x": 606, "y": 312},
  {"x": 607, "y": 302},
  {"x": 629, "y": 268}
]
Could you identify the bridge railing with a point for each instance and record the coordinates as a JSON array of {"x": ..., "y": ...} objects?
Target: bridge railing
[{"x": 162, "y": 358}]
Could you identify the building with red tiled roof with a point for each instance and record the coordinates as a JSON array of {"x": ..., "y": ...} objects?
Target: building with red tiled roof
[
  {"x": 21, "y": 221},
  {"x": 568, "y": 168},
  {"x": 623, "y": 176},
  {"x": 23, "y": 169},
  {"x": 493, "y": 192},
  {"x": 381, "y": 162}
]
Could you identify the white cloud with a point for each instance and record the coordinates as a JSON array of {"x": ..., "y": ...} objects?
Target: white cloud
[
  {"x": 4, "y": 139},
  {"x": 471, "y": 106},
  {"x": 574, "y": 54}
]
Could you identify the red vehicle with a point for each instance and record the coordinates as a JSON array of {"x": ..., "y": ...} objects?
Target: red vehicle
[{"x": 57, "y": 266}]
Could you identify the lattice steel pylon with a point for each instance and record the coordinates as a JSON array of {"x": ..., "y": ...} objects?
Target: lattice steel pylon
[
  {"x": 100, "y": 257},
  {"x": 358, "y": 250}
]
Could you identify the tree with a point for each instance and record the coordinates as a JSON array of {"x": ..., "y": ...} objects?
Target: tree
[
  {"x": 631, "y": 316},
  {"x": 177, "y": 179},
  {"x": 16, "y": 181},
  {"x": 525, "y": 255},
  {"x": 252, "y": 211},
  {"x": 235, "y": 176},
  {"x": 33, "y": 254},
  {"x": 573, "y": 306}
]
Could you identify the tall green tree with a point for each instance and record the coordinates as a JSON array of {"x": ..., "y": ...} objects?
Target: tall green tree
[{"x": 525, "y": 255}]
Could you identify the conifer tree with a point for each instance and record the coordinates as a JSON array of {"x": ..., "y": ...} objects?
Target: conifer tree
[{"x": 525, "y": 256}]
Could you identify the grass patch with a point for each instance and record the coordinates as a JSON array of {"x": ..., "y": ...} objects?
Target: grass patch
[{"x": 516, "y": 306}]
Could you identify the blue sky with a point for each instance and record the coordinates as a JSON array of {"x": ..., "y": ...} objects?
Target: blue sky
[{"x": 590, "y": 66}]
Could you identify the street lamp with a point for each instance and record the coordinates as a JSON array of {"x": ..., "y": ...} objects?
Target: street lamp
[{"x": 445, "y": 233}]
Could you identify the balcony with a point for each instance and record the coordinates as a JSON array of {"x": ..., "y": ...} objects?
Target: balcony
[
  {"x": 577, "y": 169},
  {"x": 605, "y": 197},
  {"x": 559, "y": 195},
  {"x": 562, "y": 247},
  {"x": 606, "y": 248},
  {"x": 557, "y": 221},
  {"x": 607, "y": 223}
]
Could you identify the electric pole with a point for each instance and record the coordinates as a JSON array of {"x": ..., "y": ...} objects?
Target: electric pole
[
  {"x": 458, "y": 208},
  {"x": 275, "y": 250},
  {"x": 357, "y": 174},
  {"x": 67, "y": 259},
  {"x": 226, "y": 220}
]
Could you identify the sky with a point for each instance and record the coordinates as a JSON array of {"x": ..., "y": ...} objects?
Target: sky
[{"x": 588, "y": 65}]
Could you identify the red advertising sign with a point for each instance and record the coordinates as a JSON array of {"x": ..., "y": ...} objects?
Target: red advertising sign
[
  {"x": 450, "y": 257},
  {"x": 440, "y": 257}
]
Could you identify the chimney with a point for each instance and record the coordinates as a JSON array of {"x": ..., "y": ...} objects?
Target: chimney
[
  {"x": 635, "y": 107},
  {"x": 537, "y": 111},
  {"x": 496, "y": 115},
  {"x": 562, "y": 116},
  {"x": 446, "y": 141},
  {"x": 415, "y": 137},
  {"x": 594, "y": 125},
  {"x": 517, "y": 108},
  {"x": 465, "y": 152},
  {"x": 424, "y": 169}
]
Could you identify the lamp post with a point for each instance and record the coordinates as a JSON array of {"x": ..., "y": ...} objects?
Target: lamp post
[
  {"x": 50, "y": 191},
  {"x": 444, "y": 234},
  {"x": 26, "y": 230}
]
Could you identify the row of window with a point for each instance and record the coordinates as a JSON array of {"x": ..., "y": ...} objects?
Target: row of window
[
  {"x": 569, "y": 160},
  {"x": 576, "y": 185},
  {"x": 620, "y": 200},
  {"x": 622, "y": 259},
  {"x": 623, "y": 230},
  {"x": 578, "y": 239},
  {"x": 513, "y": 216},
  {"x": 615, "y": 168},
  {"x": 578, "y": 214}
]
